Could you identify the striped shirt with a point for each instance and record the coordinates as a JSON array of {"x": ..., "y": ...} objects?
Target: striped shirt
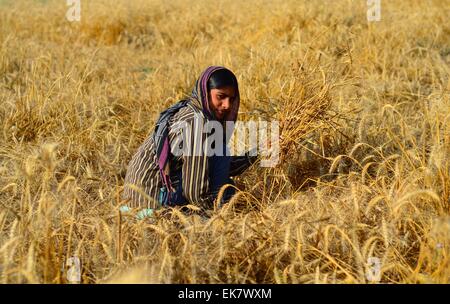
[{"x": 143, "y": 179}]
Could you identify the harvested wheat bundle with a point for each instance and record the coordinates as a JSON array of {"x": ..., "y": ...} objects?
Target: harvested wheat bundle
[{"x": 303, "y": 109}]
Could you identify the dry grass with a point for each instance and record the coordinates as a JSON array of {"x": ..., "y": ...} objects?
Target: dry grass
[{"x": 365, "y": 124}]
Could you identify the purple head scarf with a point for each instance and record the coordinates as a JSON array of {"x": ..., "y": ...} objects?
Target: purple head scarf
[{"x": 200, "y": 93}]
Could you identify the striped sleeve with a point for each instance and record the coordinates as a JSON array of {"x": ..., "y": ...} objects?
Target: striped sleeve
[{"x": 195, "y": 165}]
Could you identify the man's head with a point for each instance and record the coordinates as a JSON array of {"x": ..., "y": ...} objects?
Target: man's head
[{"x": 222, "y": 93}]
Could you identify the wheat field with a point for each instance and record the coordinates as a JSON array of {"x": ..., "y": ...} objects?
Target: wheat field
[{"x": 364, "y": 114}]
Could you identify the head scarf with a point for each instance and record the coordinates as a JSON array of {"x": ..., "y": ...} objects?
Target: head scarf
[{"x": 199, "y": 94}]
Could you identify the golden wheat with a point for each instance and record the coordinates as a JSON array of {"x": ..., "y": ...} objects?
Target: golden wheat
[{"x": 364, "y": 113}]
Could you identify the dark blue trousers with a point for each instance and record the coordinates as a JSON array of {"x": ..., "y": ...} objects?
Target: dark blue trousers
[{"x": 219, "y": 175}]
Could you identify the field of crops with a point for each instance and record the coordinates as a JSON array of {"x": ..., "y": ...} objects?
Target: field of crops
[{"x": 364, "y": 113}]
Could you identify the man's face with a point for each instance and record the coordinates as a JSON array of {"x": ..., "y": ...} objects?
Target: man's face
[{"x": 221, "y": 101}]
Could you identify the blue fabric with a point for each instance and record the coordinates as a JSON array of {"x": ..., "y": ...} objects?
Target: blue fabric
[
  {"x": 219, "y": 175},
  {"x": 177, "y": 183}
]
